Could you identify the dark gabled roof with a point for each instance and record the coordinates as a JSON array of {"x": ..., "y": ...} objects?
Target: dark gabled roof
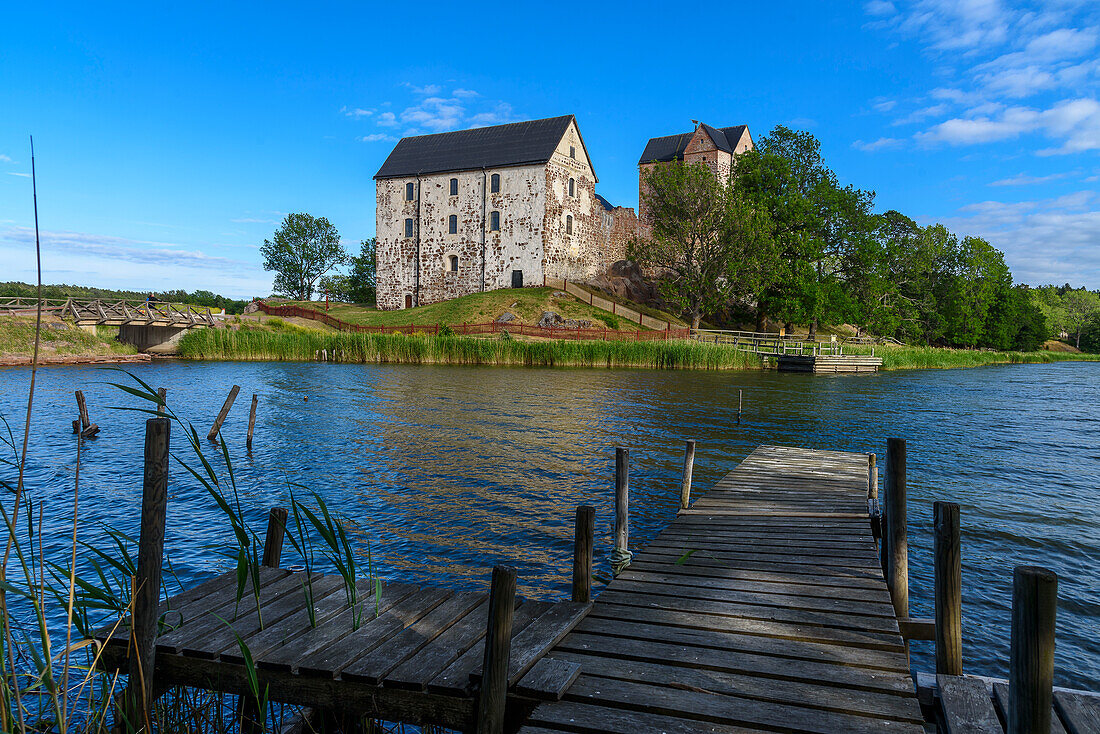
[
  {"x": 604, "y": 203},
  {"x": 514, "y": 144},
  {"x": 672, "y": 147}
]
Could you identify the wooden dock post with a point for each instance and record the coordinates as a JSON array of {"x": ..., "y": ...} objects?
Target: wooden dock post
[
  {"x": 738, "y": 406},
  {"x": 685, "y": 485},
  {"x": 872, "y": 477},
  {"x": 87, "y": 429},
  {"x": 498, "y": 643},
  {"x": 224, "y": 412},
  {"x": 248, "y": 709},
  {"x": 162, "y": 393},
  {"x": 146, "y": 594},
  {"x": 620, "y": 556},
  {"x": 252, "y": 420},
  {"x": 583, "y": 532},
  {"x": 896, "y": 547},
  {"x": 948, "y": 582},
  {"x": 1031, "y": 661}
]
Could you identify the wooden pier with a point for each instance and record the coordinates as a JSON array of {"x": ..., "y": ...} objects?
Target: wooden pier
[
  {"x": 828, "y": 363},
  {"x": 767, "y": 605},
  {"x": 761, "y": 608}
]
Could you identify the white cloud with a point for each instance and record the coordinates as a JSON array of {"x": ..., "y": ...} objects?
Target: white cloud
[
  {"x": 500, "y": 114},
  {"x": 116, "y": 248},
  {"x": 253, "y": 220},
  {"x": 434, "y": 113},
  {"x": 464, "y": 93},
  {"x": 356, "y": 112},
  {"x": 882, "y": 104},
  {"x": 5, "y": 159},
  {"x": 375, "y": 137},
  {"x": 879, "y": 8},
  {"x": 1023, "y": 179},
  {"x": 880, "y": 144},
  {"x": 427, "y": 89},
  {"x": 387, "y": 119},
  {"x": 21, "y": 175},
  {"x": 1073, "y": 122},
  {"x": 922, "y": 114},
  {"x": 1044, "y": 241}
]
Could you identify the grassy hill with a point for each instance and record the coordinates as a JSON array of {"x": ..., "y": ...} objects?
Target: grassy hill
[
  {"x": 527, "y": 304},
  {"x": 58, "y": 339}
]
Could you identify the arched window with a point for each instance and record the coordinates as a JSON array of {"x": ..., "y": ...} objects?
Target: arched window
[
  {"x": 452, "y": 224},
  {"x": 569, "y": 224},
  {"x": 572, "y": 187},
  {"x": 408, "y": 228},
  {"x": 494, "y": 221},
  {"x": 454, "y": 187},
  {"x": 410, "y": 191},
  {"x": 494, "y": 183},
  {"x": 452, "y": 263}
]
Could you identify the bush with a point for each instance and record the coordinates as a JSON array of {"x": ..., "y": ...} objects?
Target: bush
[{"x": 446, "y": 330}]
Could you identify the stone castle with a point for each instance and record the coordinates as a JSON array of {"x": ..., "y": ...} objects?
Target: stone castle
[{"x": 508, "y": 206}]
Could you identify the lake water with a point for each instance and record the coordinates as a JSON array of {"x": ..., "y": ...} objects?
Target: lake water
[{"x": 446, "y": 471}]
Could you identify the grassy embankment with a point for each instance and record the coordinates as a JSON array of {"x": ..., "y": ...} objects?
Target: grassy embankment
[
  {"x": 280, "y": 341},
  {"x": 909, "y": 358},
  {"x": 59, "y": 340},
  {"x": 526, "y": 304}
]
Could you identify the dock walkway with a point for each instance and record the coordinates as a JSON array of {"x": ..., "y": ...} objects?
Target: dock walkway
[{"x": 761, "y": 608}]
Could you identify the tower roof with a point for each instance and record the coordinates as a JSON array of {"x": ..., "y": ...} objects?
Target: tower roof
[{"x": 672, "y": 147}]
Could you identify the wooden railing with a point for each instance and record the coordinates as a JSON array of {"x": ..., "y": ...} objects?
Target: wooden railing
[
  {"x": 771, "y": 344},
  {"x": 100, "y": 311},
  {"x": 546, "y": 332}
]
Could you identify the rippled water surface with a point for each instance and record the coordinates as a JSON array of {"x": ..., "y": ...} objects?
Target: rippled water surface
[{"x": 446, "y": 471}]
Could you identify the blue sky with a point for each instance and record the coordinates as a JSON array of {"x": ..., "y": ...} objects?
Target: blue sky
[{"x": 171, "y": 139}]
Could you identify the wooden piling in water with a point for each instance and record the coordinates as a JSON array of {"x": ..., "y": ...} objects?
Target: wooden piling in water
[
  {"x": 498, "y": 642},
  {"x": 872, "y": 477},
  {"x": 224, "y": 412},
  {"x": 1031, "y": 659},
  {"x": 620, "y": 558},
  {"x": 82, "y": 406},
  {"x": 685, "y": 485},
  {"x": 252, "y": 420},
  {"x": 896, "y": 543},
  {"x": 162, "y": 394},
  {"x": 146, "y": 594},
  {"x": 948, "y": 588},
  {"x": 583, "y": 531}
]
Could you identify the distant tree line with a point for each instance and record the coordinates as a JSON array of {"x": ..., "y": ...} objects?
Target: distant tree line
[
  {"x": 1073, "y": 312},
  {"x": 195, "y": 298},
  {"x": 783, "y": 240}
]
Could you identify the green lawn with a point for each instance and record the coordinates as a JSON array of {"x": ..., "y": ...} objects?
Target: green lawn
[{"x": 527, "y": 304}]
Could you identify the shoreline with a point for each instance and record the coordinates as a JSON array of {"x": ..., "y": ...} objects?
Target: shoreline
[{"x": 77, "y": 359}]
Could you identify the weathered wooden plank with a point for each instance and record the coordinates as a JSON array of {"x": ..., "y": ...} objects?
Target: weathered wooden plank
[
  {"x": 323, "y": 650},
  {"x": 1080, "y": 713},
  {"x": 703, "y": 705},
  {"x": 866, "y": 552},
  {"x": 760, "y": 554},
  {"x": 417, "y": 671},
  {"x": 455, "y": 679},
  {"x": 676, "y": 575},
  {"x": 549, "y": 679},
  {"x": 172, "y": 609},
  {"x": 764, "y": 666},
  {"x": 538, "y": 637},
  {"x": 591, "y": 717},
  {"x": 801, "y": 693},
  {"x": 701, "y": 561},
  {"x": 395, "y": 650},
  {"x": 1000, "y": 698},
  {"x": 756, "y": 627},
  {"x": 828, "y": 584},
  {"x": 966, "y": 706}
]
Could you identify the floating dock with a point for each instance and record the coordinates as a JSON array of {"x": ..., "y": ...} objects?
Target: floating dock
[{"x": 827, "y": 363}]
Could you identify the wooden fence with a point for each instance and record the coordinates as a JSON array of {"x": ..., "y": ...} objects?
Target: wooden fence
[
  {"x": 551, "y": 332},
  {"x": 604, "y": 304}
]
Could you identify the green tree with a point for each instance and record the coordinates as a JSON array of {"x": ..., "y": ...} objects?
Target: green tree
[
  {"x": 1079, "y": 306},
  {"x": 1090, "y": 334},
  {"x": 707, "y": 245},
  {"x": 362, "y": 279},
  {"x": 302, "y": 250}
]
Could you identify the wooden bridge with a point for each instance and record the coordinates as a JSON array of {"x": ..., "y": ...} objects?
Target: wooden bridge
[
  {"x": 97, "y": 311},
  {"x": 794, "y": 354},
  {"x": 763, "y": 607}
]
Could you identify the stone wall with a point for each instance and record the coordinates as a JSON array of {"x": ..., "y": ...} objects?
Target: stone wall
[{"x": 575, "y": 255}]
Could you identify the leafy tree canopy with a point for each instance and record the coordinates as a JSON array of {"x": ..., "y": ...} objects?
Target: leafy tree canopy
[{"x": 303, "y": 249}]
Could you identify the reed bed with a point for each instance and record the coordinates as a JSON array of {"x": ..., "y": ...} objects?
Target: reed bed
[
  {"x": 906, "y": 358},
  {"x": 287, "y": 345}
]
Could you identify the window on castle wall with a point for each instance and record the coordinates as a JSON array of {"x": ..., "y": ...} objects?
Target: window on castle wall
[
  {"x": 572, "y": 152},
  {"x": 569, "y": 224},
  {"x": 452, "y": 263},
  {"x": 494, "y": 183},
  {"x": 454, "y": 187},
  {"x": 494, "y": 221},
  {"x": 410, "y": 191},
  {"x": 408, "y": 228},
  {"x": 452, "y": 224},
  {"x": 572, "y": 187}
]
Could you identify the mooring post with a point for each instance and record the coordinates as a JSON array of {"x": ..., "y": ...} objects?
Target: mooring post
[
  {"x": 224, "y": 412},
  {"x": 252, "y": 420},
  {"x": 685, "y": 485},
  {"x": 897, "y": 544},
  {"x": 146, "y": 594},
  {"x": 948, "y": 582},
  {"x": 738, "y": 406},
  {"x": 1031, "y": 660},
  {"x": 583, "y": 531},
  {"x": 248, "y": 709},
  {"x": 620, "y": 556},
  {"x": 498, "y": 643},
  {"x": 82, "y": 406},
  {"x": 872, "y": 477}
]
